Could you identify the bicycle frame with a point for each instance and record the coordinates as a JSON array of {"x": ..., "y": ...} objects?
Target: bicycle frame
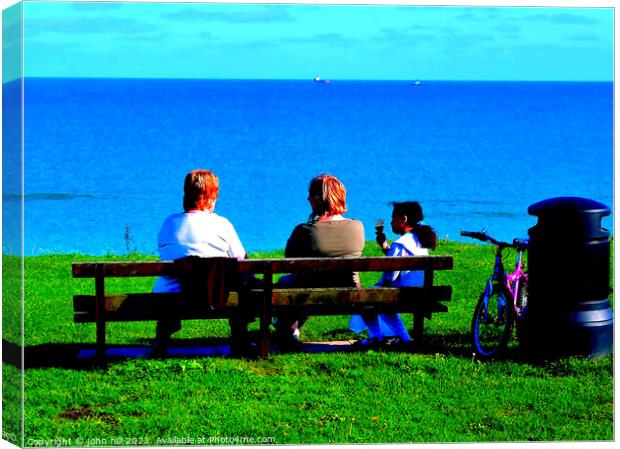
[{"x": 511, "y": 280}]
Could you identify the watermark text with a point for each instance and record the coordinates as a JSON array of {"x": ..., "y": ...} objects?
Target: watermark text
[{"x": 146, "y": 441}]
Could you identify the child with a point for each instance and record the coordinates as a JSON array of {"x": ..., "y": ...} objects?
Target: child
[{"x": 415, "y": 240}]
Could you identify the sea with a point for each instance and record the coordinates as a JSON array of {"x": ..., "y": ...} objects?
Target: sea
[{"x": 104, "y": 159}]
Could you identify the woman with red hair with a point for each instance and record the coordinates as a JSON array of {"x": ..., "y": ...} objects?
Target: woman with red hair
[
  {"x": 197, "y": 231},
  {"x": 326, "y": 234}
]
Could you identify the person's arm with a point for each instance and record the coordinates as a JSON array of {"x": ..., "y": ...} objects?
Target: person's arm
[
  {"x": 297, "y": 244},
  {"x": 381, "y": 240},
  {"x": 388, "y": 277},
  {"x": 361, "y": 238},
  {"x": 235, "y": 248}
]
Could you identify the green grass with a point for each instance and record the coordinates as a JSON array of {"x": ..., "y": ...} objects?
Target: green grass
[{"x": 439, "y": 395}]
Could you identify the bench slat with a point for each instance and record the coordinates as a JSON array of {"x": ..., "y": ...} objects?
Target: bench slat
[
  {"x": 123, "y": 269},
  {"x": 163, "y": 268},
  {"x": 152, "y": 306},
  {"x": 355, "y": 309},
  {"x": 359, "y": 263},
  {"x": 148, "y": 306},
  {"x": 354, "y": 301},
  {"x": 369, "y": 296}
]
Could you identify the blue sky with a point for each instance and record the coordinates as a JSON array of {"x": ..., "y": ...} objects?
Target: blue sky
[{"x": 188, "y": 40}]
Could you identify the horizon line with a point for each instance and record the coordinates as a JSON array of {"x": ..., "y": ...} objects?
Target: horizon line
[{"x": 331, "y": 80}]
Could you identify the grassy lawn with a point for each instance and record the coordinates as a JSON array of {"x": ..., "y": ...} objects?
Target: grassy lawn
[{"x": 440, "y": 394}]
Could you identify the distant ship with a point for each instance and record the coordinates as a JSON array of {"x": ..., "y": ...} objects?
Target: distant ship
[
  {"x": 416, "y": 83},
  {"x": 317, "y": 79}
]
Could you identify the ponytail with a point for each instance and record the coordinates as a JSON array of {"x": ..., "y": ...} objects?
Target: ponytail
[{"x": 426, "y": 235}]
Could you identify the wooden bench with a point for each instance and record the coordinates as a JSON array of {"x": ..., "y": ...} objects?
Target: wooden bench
[{"x": 267, "y": 300}]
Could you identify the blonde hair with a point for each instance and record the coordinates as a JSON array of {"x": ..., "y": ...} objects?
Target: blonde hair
[
  {"x": 201, "y": 189},
  {"x": 327, "y": 195}
]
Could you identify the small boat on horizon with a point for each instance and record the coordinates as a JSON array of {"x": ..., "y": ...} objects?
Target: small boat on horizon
[
  {"x": 417, "y": 83},
  {"x": 317, "y": 79}
]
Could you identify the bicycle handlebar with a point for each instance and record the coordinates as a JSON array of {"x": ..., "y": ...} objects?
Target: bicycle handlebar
[
  {"x": 475, "y": 235},
  {"x": 518, "y": 244},
  {"x": 482, "y": 236}
]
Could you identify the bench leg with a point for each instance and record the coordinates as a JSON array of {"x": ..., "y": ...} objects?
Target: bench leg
[
  {"x": 100, "y": 312},
  {"x": 265, "y": 314},
  {"x": 101, "y": 341},
  {"x": 418, "y": 327},
  {"x": 263, "y": 343}
]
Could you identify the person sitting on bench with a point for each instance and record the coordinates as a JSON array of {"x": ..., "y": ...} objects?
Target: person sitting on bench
[
  {"x": 197, "y": 231},
  {"x": 326, "y": 234},
  {"x": 415, "y": 240}
]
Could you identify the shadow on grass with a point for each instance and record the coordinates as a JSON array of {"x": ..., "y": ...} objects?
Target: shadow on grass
[
  {"x": 84, "y": 356},
  {"x": 81, "y": 356},
  {"x": 456, "y": 344}
]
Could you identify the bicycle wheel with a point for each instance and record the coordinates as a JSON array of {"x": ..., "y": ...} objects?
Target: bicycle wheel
[{"x": 492, "y": 322}]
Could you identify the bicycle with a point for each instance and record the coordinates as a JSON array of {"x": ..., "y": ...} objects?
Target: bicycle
[{"x": 503, "y": 301}]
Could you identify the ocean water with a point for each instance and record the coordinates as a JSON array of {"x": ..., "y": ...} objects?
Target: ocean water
[{"x": 105, "y": 159}]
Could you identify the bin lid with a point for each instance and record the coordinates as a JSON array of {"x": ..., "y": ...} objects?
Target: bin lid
[
  {"x": 571, "y": 219},
  {"x": 568, "y": 205}
]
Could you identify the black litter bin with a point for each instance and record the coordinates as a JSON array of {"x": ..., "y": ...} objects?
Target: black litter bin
[{"x": 569, "y": 271}]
